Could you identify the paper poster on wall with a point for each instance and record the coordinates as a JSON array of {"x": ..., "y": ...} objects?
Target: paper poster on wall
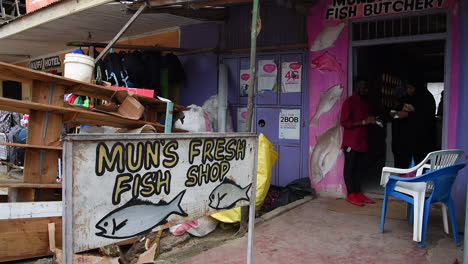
[
  {"x": 291, "y": 77},
  {"x": 267, "y": 73},
  {"x": 244, "y": 82},
  {"x": 241, "y": 119},
  {"x": 289, "y": 124}
]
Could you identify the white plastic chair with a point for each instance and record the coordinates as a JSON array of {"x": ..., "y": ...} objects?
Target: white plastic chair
[{"x": 433, "y": 161}]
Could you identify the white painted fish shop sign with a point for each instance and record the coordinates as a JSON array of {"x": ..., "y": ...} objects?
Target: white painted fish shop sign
[{"x": 120, "y": 186}]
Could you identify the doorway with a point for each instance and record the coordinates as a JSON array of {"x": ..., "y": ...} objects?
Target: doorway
[{"x": 387, "y": 67}]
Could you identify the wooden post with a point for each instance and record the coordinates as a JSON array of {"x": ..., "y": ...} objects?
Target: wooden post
[
  {"x": 252, "y": 83},
  {"x": 44, "y": 129}
]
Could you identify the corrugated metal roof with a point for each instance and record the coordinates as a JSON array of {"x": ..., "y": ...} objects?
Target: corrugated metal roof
[
  {"x": 30, "y": 13},
  {"x": 101, "y": 23}
]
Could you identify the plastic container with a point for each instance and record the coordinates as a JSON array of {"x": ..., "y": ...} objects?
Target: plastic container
[{"x": 78, "y": 67}]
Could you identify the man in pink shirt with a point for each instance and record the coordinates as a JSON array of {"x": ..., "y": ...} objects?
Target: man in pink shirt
[{"x": 355, "y": 118}]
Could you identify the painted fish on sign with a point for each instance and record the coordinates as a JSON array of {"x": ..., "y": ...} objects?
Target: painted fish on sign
[
  {"x": 137, "y": 217},
  {"x": 227, "y": 194}
]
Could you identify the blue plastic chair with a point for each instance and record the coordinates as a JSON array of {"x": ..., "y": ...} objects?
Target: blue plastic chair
[{"x": 443, "y": 180}]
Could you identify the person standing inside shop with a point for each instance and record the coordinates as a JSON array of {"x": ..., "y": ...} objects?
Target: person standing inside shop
[
  {"x": 413, "y": 135},
  {"x": 354, "y": 119}
]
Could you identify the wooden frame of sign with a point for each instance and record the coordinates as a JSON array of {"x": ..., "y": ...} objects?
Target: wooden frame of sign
[{"x": 119, "y": 186}]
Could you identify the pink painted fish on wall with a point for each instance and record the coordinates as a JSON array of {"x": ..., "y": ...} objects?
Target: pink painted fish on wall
[{"x": 326, "y": 62}]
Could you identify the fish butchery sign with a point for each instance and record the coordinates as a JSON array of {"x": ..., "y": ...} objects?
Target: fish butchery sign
[
  {"x": 348, "y": 9},
  {"x": 119, "y": 186}
]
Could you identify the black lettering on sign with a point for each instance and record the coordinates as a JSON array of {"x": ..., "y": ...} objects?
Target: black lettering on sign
[
  {"x": 153, "y": 152},
  {"x": 36, "y": 64},
  {"x": 205, "y": 173},
  {"x": 193, "y": 149},
  {"x": 231, "y": 146},
  {"x": 108, "y": 160},
  {"x": 121, "y": 185},
  {"x": 241, "y": 149},
  {"x": 172, "y": 158},
  {"x": 219, "y": 149},
  {"x": 147, "y": 184},
  {"x": 52, "y": 62},
  {"x": 208, "y": 146},
  {"x": 163, "y": 182},
  {"x": 135, "y": 156},
  {"x": 151, "y": 183},
  {"x": 347, "y": 9}
]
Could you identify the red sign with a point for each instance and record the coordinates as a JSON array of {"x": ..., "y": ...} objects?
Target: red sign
[
  {"x": 32, "y": 5},
  {"x": 139, "y": 91}
]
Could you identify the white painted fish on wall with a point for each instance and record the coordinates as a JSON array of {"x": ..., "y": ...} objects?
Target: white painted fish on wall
[
  {"x": 327, "y": 37},
  {"x": 325, "y": 153},
  {"x": 328, "y": 100}
]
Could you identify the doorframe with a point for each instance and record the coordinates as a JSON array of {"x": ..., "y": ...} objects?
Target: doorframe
[{"x": 447, "y": 37}]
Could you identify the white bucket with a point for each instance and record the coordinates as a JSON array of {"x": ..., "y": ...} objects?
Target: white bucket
[{"x": 78, "y": 67}]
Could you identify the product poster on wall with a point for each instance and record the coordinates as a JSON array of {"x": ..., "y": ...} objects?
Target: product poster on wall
[
  {"x": 244, "y": 82},
  {"x": 291, "y": 77},
  {"x": 289, "y": 123},
  {"x": 241, "y": 119},
  {"x": 267, "y": 73}
]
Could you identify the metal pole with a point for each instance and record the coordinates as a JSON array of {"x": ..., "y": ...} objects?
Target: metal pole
[
  {"x": 253, "y": 50},
  {"x": 122, "y": 31},
  {"x": 253, "y": 203},
  {"x": 252, "y": 82}
]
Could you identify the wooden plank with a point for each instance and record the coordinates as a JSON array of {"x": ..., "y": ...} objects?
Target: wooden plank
[
  {"x": 13, "y": 72},
  {"x": 27, "y": 238},
  {"x": 45, "y": 129},
  {"x": 30, "y": 185},
  {"x": 30, "y": 146},
  {"x": 30, "y": 210},
  {"x": 78, "y": 114}
]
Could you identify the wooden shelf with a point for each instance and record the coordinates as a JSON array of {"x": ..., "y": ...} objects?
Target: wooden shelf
[
  {"x": 30, "y": 146},
  {"x": 21, "y": 74},
  {"x": 77, "y": 114},
  {"x": 30, "y": 185}
]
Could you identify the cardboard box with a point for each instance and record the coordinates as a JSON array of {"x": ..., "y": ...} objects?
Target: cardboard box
[{"x": 131, "y": 108}]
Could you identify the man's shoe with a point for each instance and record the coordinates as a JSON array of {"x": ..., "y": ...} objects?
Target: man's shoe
[
  {"x": 364, "y": 199},
  {"x": 352, "y": 198}
]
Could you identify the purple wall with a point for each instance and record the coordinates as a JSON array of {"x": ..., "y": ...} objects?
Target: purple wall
[
  {"x": 201, "y": 69},
  {"x": 459, "y": 190},
  {"x": 280, "y": 26},
  {"x": 200, "y": 36}
]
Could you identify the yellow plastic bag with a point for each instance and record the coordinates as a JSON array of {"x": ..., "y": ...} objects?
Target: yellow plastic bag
[{"x": 267, "y": 157}]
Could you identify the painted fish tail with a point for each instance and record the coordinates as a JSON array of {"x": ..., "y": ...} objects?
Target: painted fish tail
[
  {"x": 176, "y": 202},
  {"x": 246, "y": 189}
]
